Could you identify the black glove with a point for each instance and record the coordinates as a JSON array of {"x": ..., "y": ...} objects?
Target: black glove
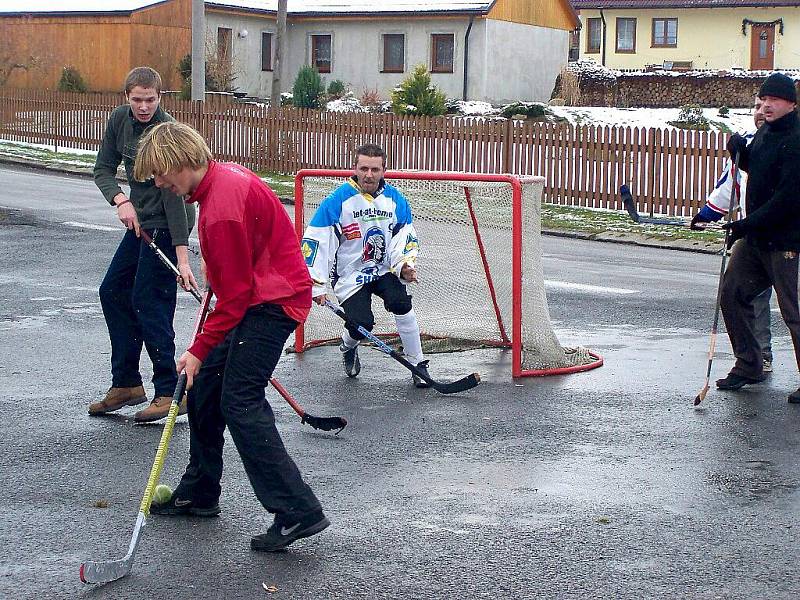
[
  {"x": 736, "y": 230},
  {"x": 696, "y": 221},
  {"x": 736, "y": 144}
]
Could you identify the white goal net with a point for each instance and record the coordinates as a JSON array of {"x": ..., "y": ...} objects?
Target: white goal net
[{"x": 480, "y": 271}]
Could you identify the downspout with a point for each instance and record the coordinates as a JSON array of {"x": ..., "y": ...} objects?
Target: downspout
[
  {"x": 466, "y": 55},
  {"x": 603, "y": 55}
]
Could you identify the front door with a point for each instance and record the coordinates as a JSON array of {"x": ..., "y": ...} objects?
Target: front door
[{"x": 762, "y": 47}]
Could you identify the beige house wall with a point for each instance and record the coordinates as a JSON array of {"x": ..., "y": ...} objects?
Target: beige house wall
[{"x": 710, "y": 38}]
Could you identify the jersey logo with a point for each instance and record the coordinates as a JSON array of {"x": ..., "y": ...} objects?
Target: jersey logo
[
  {"x": 352, "y": 231},
  {"x": 374, "y": 246},
  {"x": 309, "y": 249},
  {"x": 411, "y": 244}
]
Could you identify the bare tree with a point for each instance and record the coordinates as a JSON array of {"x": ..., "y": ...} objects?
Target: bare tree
[{"x": 280, "y": 46}]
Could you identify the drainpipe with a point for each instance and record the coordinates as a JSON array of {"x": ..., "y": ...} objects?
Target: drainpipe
[
  {"x": 603, "y": 55},
  {"x": 466, "y": 56}
]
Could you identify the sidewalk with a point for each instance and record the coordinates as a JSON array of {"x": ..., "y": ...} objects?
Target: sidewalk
[{"x": 560, "y": 221}]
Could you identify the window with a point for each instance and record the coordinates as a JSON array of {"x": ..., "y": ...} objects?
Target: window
[
  {"x": 394, "y": 53},
  {"x": 266, "y": 51},
  {"x": 442, "y": 52},
  {"x": 594, "y": 29},
  {"x": 224, "y": 45},
  {"x": 321, "y": 52},
  {"x": 665, "y": 33},
  {"x": 626, "y": 35}
]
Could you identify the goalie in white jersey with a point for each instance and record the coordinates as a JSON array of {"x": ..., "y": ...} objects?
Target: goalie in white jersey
[{"x": 362, "y": 240}]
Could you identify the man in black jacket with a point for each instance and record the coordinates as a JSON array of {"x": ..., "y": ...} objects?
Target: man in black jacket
[
  {"x": 767, "y": 253},
  {"x": 138, "y": 293}
]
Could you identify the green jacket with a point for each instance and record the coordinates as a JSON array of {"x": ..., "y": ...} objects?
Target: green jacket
[{"x": 155, "y": 208}]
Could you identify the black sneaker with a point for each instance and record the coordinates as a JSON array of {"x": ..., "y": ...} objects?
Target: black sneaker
[
  {"x": 419, "y": 381},
  {"x": 734, "y": 382},
  {"x": 794, "y": 397},
  {"x": 352, "y": 366},
  {"x": 281, "y": 533},
  {"x": 175, "y": 507}
]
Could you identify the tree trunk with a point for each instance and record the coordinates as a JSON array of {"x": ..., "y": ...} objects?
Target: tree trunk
[{"x": 277, "y": 65}]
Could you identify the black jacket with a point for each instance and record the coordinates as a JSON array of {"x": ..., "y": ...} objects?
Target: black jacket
[
  {"x": 772, "y": 162},
  {"x": 155, "y": 208}
]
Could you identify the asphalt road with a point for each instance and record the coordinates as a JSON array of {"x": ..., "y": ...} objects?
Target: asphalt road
[{"x": 606, "y": 484}]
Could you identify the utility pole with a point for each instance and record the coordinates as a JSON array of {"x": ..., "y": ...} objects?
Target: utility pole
[
  {"x": 280, "y": 45},
  {"x": 198, "y": 50}
]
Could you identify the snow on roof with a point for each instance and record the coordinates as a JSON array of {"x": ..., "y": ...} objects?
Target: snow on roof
[
  {"x": 299, "y": 7},
  {"x": 596, "y": 4},
  {"x": 295, "y": 7},
  {"x": 73, "y": 6}
]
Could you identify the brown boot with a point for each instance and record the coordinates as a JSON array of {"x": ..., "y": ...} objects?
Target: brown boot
[
  {"x": 158, "y": 409},
  {"x": 116, "y": 398}
]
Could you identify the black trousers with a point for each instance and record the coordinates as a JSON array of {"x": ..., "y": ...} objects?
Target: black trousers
[
  {"x": 358, "y": 307},
  {"x": 752, "y": 270},
  {"x": 229, "y": 391}
]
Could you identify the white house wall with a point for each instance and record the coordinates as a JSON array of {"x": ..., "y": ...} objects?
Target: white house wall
[
  {"x": 357, "y": 55},
  {"x": 521, "y": 64}
]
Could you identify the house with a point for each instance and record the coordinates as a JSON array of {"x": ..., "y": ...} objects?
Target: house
[
  {"x": 496, "y": 51},
  {"x": 102, "y": 39},
  {"x": 690, "y": 34}
]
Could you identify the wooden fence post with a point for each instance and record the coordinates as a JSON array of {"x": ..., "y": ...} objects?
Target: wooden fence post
[{"x": 508, "y": 145}]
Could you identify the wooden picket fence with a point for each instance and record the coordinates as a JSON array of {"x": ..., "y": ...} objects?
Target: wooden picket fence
[{"x": 670, "y": 171}]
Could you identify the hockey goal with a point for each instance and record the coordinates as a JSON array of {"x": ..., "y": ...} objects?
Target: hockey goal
[{"x": 480, "y": 269}]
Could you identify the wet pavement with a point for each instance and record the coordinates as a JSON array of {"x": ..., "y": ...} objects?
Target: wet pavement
[{"x": 606, "y": 484}]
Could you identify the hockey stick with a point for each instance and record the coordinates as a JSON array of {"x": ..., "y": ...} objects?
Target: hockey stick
[
  {"x": 713, "y": 342},
  {"x": 463, "y": 384},
  {"x": 630, "y": 206},
  {"x": 111, "y": 570},
  {"x": 323, "y": 423}
]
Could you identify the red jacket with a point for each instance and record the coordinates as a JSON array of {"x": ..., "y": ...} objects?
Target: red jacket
[{"x": 251, "y": 251}]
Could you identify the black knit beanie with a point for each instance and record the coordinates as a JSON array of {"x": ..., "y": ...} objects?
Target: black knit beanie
[{"x": 779, "y": 86}]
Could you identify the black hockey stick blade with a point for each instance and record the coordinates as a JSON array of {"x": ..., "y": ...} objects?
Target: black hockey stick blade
[
  {"x": 462, "y": 385},
  {"x": 630, "y": 206},
  {"x": 325, "y": 423},
  {"x": 629, "y": 202}
]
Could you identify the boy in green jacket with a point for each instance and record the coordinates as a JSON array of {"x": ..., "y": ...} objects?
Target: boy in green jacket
[{"x": 138, "y": 293}]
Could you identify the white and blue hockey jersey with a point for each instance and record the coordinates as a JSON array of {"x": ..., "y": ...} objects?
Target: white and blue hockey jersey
[
  {"x": 354, "y": 238},
  {"x": 719, "y": 200}
]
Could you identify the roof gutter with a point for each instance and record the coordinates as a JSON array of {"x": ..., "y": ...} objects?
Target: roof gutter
[
  {"x": 603, "y": 55},
  {"x": 466, "y": 56}
]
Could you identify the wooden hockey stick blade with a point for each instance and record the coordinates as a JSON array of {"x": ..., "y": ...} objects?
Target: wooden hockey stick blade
[{"x": 702, "y": 395}]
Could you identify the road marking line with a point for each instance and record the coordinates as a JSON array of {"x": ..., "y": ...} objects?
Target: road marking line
[
  {"x": 584, "y": 287},
  {"x": 90, "y": 226}
]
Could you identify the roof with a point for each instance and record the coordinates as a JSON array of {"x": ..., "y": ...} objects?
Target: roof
[
  {"x": 74, "y": 6},
  {"x": 595, "y": 4},
  {"x": 295, "y": 7},
  {"x": 329, "y": 7}
]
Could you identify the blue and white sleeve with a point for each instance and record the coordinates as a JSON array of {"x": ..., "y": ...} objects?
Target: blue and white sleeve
[{"x": 319, "y": 245}]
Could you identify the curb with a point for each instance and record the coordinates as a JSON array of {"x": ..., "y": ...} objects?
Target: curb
[{"x": 630, "y": 240}]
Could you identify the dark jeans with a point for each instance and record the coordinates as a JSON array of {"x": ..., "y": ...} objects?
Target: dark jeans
[
  {"x": 751, "y": 271},
  {"x": 358, "y": 307},
  {"x": 138, "y": 299},
  {"x": 229, "y": 391},
  {"x": 763, "y": 318}
]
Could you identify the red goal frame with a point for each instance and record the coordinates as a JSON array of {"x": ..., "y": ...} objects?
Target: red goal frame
[{"x": 515, "y": 342}]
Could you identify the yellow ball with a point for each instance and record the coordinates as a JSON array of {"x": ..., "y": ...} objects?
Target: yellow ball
[{"x": 162, "y": 494}]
